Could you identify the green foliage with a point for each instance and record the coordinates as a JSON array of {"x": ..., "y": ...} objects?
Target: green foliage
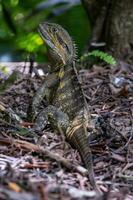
[
  {"x": 20, "y": 19},
  {"x": 4, "y": 69},
  {"x": 29, "y": 42},
  {"x": 100, "y": 54}
]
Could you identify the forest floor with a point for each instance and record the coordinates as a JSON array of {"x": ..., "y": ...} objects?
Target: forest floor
[{"x": 42, "y": 166}]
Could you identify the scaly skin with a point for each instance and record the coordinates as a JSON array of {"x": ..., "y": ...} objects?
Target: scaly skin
[{"x": 67, "y": 95}]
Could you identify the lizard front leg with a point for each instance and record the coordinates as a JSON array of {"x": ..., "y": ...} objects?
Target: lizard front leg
[
  {"x": 58, "y": 119},
  {"x": 43, "y": 92}
]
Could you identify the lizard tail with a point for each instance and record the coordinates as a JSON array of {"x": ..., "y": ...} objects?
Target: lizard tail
[{"x": 79, "y": 140}]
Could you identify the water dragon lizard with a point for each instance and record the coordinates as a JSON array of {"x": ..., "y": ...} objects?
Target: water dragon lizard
[{"x": 67, "y": 110}]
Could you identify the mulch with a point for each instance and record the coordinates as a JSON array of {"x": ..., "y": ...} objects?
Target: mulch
[{"x": 42, "y": 166}]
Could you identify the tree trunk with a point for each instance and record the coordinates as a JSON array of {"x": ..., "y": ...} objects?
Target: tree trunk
[{"x": 113, "y": 25}]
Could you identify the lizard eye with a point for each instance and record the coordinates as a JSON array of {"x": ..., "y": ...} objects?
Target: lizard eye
[{"x": 54, "y": 30}]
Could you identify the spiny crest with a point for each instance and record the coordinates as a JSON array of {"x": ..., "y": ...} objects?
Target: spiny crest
[
  {"x": 75, "y": 50},
  {"x": 59, "y": 41}
]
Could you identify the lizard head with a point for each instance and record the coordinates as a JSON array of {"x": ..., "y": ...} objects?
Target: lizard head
[{"x": 60, "y": 45}]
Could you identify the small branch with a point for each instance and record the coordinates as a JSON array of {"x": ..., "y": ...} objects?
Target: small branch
[{"x": 21, "y": 144}]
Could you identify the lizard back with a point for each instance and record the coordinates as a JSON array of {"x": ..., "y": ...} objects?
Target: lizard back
[{"x": 69, "y": 97}]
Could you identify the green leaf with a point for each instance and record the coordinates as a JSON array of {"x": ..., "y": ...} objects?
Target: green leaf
[{"x": 100, "y": 54}]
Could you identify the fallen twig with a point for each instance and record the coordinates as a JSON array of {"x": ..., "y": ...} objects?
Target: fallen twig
[{"x": 21, "y": 144}]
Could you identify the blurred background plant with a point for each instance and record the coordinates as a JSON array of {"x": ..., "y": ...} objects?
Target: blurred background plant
[{"x": 20, "y": 19}]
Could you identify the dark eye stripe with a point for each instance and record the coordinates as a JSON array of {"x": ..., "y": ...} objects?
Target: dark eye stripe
[
  {"x": 59, "y": 39},
  {"x": 65, "y": 46}
]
